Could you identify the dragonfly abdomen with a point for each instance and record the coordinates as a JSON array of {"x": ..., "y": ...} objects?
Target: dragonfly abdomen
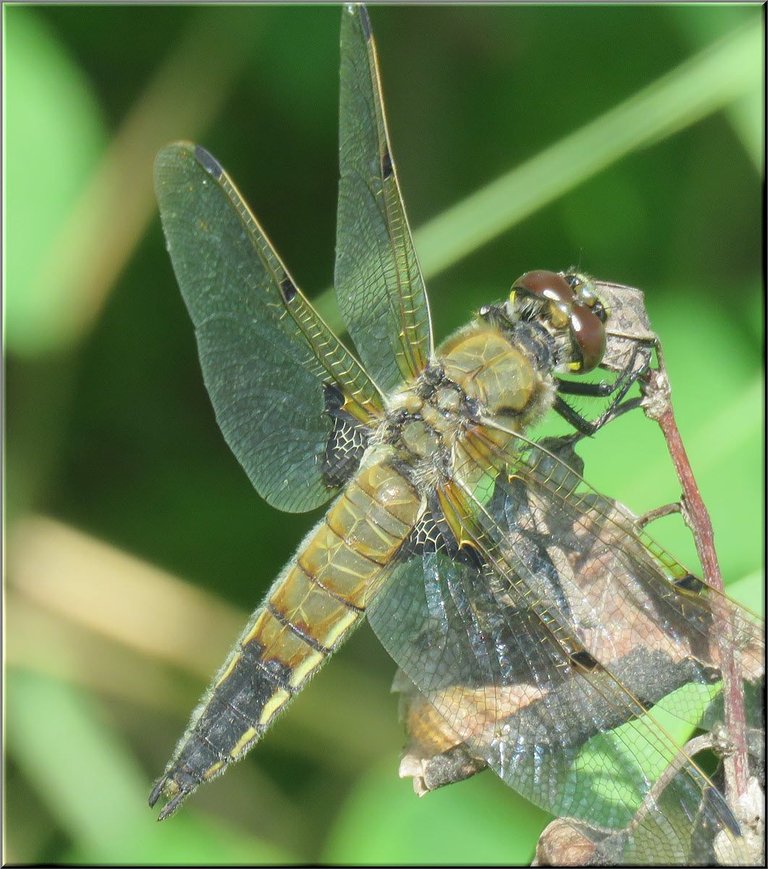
[{"x": 306, "y": 615}]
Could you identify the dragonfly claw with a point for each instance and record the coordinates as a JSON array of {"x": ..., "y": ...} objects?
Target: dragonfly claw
[
  {"x": 156, "y": 791},
  {"x": 176, "y": 796},
  {"x": 170, "y": 807}
]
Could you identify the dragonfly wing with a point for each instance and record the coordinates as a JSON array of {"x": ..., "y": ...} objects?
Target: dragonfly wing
[
  {"x": 542, "y": 644},
  {"x": 629, "y": 589},
  {"x": 280, "y": 381},
  {"x": 379, "y": 285}
]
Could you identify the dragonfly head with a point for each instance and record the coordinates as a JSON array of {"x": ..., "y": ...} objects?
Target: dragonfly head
[{"x": 565, "y": 303}]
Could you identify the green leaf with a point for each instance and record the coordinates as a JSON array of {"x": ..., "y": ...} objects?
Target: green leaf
[
  {"x": 613, "y": 762},
  {"x": 383, "y": 821}
]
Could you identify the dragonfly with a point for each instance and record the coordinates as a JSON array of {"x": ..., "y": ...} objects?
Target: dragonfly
[{"x": 538, "y": 629}]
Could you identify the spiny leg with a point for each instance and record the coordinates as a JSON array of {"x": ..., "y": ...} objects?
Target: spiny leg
[{"x": 618, "y": 389}]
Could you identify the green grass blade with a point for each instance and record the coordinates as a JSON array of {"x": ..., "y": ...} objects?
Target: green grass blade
[
  {"x": 717, "y": 77},
  {"x": 711, "y": 80}
]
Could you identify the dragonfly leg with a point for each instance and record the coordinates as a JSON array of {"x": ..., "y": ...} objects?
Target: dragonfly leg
[
  {"x": 637, "y": 366},
  {"x": 586, "y": 427}
]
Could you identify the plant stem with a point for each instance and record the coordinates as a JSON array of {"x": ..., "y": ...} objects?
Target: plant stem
[{"x": 657, "y": 406}]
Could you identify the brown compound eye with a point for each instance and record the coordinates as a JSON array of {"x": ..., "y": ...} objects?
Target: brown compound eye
[
  {"x": 572, "y": 304},
  {"x": 588, "y": 316},
  {"x": 589, "y": 336},
  {"x": 548, "y": 286}
]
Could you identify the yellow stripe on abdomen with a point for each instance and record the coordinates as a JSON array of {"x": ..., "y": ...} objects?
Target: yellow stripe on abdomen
[
  {"x": 325, "y": 591},
  {"x": 306, "y": 615}
]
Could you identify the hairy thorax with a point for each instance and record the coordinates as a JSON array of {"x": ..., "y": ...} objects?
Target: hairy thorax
[{"x": 479, "y": 389}]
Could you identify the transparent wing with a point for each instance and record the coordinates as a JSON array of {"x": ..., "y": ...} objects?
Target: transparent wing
[
  {"x": 379, "y": 285},
  {"x": 268, "y": 359},
  {"x": 545, "y": 639}
]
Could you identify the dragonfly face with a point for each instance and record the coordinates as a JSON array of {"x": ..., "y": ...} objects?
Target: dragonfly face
[{"x": 533, "y": 621}]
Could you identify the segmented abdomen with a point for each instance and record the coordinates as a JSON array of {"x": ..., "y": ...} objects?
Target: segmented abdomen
[{"x": 307, "y": 613}]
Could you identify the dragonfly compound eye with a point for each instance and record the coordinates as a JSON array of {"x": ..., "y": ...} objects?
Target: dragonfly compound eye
[
  {"x": 588, "y": 337},
  {"x": 569, "y": 302},
  {"x": 550, "y": 289},
  {"x": 588, "y": 314}
]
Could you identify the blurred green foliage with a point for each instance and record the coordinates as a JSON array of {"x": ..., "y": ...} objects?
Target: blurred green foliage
[
  {"x": 50, "y": 100},
  {"x": 109, "y": 428}
]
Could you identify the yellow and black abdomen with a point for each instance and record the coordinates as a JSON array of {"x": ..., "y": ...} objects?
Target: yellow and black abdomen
[{"x": 307, "y": 613}]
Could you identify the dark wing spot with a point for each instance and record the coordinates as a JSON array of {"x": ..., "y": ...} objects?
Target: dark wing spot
[
  {"x": 365, "y": 21},
  {"x": 584, "y": 661},
  {"x": 428, "y": 537},
  {"x": 690, "y": 583},
  {"x": 288, "y": 289},
  {"x": 208, "y": 162},
  {"x": 334, "y": 397},
  {"x": 433, "y": 534},
  {"x": 386, "y": 165},
  {"x": 347, "y": 441}
]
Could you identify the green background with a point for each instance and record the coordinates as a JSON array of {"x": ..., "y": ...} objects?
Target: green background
[{"x": 135, "y": 543}]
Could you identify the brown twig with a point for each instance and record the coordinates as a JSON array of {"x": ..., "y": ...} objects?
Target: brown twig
[
  {"x": 658, "y": 406},
  {"x": 658, "y": 513},
  {"x": 691, "y": 748}
]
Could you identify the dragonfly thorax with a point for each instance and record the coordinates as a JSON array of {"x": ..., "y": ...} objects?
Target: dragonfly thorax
[
  {"x": 502, "y": 372},
  {"x": 479, "y": 374}
]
